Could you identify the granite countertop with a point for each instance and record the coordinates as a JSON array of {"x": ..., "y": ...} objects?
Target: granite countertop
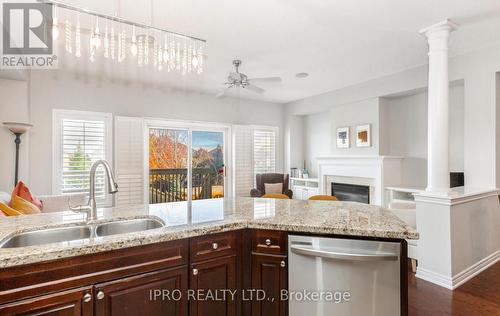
[{"x": 204, "y": 217}]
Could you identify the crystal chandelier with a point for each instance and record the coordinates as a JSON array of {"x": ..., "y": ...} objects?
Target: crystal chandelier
[{"x": 116, "y": 40}]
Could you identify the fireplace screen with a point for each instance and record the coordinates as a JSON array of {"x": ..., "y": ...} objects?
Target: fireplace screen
[{"x": 351, "y": 192}]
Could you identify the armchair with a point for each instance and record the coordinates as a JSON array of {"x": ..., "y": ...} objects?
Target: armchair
[{"x": 270, "y": 178}]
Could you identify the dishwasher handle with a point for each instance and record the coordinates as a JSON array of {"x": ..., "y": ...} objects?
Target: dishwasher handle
[{"x": 343, "y": 255}]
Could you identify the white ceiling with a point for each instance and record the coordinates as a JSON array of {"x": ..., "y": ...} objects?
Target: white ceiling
[{"x": 338, "y": 42}]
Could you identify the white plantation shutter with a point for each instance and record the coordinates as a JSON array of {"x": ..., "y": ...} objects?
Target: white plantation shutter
[
  {"x": 129, "y": 160},
  {"x": 80, "y": 139},
  {"x": 254, "y": 152},
  {"x": 243, "y": 160},
  {"x": 264, "y": 150}
]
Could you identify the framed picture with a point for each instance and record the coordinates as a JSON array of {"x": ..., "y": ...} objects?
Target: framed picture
[
  {"x": 343, "y": 137},
  {"x": 363, "y": 136}
]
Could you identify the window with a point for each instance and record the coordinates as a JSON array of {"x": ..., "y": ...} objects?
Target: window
[
  {"x": 255, "y": 151},
  {"x": 80, "y": 139},
  {"x": 264, "y": 151}
]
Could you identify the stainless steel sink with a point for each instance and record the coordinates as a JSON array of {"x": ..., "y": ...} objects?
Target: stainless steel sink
[
  {"x": 46, "y": 236},
  {"x": 127, "y": 226},
  {"x": 67, "y": 234}
]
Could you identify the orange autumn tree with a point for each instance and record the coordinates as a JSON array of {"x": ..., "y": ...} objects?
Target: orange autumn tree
[{"x": 167, "y": 149}]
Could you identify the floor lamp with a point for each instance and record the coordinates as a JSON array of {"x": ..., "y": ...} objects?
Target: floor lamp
[{"x": 17, "y": 129}]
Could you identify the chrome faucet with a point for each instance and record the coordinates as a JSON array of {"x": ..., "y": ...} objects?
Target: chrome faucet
[{"x": 91, "y": 207}]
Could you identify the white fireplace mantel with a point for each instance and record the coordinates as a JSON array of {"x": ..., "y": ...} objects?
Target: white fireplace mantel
[{"x": 378, "y": 171}]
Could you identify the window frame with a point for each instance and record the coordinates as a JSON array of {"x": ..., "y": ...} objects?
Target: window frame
[
  {"x": 191, "y": 126},
  {"x": 58, "y": 116}
]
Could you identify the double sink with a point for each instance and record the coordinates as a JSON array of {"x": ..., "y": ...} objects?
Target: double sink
[{"x": 72, "y": 233}]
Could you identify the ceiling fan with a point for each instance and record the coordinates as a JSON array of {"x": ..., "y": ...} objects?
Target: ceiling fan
[{"x": 238, "y": 79}]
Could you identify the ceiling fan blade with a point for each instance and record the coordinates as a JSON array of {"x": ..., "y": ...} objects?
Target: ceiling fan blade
[
  {"x": 255, "y": 89},
  {"x": 266, "y": 79},
  {"x": 223, "y": 92}
]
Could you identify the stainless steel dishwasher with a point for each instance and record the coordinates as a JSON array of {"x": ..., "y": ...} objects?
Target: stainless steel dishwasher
[{"x": 343, "y": 277}]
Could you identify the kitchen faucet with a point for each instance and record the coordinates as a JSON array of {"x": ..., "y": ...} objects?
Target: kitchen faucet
[{"x": 91, "y": 207}]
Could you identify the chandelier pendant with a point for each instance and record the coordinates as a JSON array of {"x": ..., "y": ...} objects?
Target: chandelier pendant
[{"x": 146, "y": 45}]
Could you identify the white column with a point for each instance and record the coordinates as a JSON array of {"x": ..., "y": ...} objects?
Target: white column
[{"x": 438, "y": 176}]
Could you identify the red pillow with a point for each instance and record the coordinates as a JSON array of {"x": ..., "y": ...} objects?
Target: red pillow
[{"x": 22, "y": 191}]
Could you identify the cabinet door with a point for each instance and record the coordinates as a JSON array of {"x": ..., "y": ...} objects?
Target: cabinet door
[
  {"x": 77, "y": 302},
  {"x": 136, "y": 295},
  {"x": 206, "y": 280},
  {"x": 269, "y": 273}
]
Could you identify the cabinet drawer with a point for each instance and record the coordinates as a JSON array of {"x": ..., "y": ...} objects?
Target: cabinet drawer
[
  {"x": 269, "y": 241},
  {"x": 75, "y": 302},
  {"x": 212, "y": 246}
]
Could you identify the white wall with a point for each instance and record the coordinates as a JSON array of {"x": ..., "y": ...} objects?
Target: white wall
[
  {"x": 399, "y": 128},
  {"x": 353, "y": 114},
  {"x": 405, "y": 132},
  {"x": 459, "y": 237},
  {"x": 294, "y": 142},
  {"x": 497, "y": 111},
  {"x": 320, "y": 131},
  {"x": 474, "y": 232},
  {"x": 477, "y": 70},
  {"x": 60, "y": 90},
  {"x": 317, "y": 139},
  {"x": 13, "y": 108}
]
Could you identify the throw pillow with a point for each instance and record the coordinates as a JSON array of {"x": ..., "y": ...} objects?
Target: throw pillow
[
  {"x": 273, "y": 188},
  {"x": 23, "y": 206},
  {"x": 24, "y": 192},
  {"x": 5, "y": 197},
  {"x": 7, "y": 210}
]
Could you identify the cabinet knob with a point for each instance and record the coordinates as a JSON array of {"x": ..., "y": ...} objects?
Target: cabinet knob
[
  {"x": 87, "y": 297},
  {"x": 195, "y": 271},
  {"x": 100, "y": 295},
  {"x": 268, "y": 242},
  {"x": 283, "y": 264},
  {"x": 215, "y": 246}
]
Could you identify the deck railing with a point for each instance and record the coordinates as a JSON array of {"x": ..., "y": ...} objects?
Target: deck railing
[{"x": 171, "y": 185}]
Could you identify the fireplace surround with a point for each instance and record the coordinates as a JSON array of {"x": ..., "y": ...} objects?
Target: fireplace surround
[{"x": 375, "y": 172}]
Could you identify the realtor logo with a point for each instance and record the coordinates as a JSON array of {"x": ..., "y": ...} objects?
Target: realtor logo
[{"x": 27, "y": 36}]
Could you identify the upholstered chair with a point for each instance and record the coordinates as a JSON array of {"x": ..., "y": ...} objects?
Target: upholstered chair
[
  {"x": 276, "y": 196},
  {"x": 270, "y": 178},
  {"x": 323, "y": 198}
]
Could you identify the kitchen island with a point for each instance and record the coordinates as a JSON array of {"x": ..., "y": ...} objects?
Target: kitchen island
[{"x": 231, "y": 243}]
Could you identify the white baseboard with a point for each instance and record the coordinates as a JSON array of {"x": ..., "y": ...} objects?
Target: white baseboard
[
  {"x": 461, "y": 277},
  {"x": 433, "y": 277},
  {"x": 467, "y": 274}
]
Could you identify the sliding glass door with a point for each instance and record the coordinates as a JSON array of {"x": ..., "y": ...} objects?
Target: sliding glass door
[
  {"x": 186, "y": 163},
  {"x": 207, "y": 164},
  {"x": 168, "y": 165}
]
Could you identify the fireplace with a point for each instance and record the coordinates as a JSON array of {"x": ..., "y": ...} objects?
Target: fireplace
[
  {"x": 375, "y": 172},
  {"x": 351, "y": 192}
]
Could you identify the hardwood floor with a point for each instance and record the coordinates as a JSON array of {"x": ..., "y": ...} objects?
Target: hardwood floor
[{"x": 479, "y": 296}]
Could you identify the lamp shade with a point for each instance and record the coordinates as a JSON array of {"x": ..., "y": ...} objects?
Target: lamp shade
[{"x": 17, "y": 128}]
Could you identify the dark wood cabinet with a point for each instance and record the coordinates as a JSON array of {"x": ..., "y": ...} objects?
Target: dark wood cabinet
[
  {"x": 206, "y": 270},
  {"x": 207, "y": 280},
  {"x": 154, "y": 294},
  {"x": 269, "y": 273},
  {"x": 77, "y": 302}
]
